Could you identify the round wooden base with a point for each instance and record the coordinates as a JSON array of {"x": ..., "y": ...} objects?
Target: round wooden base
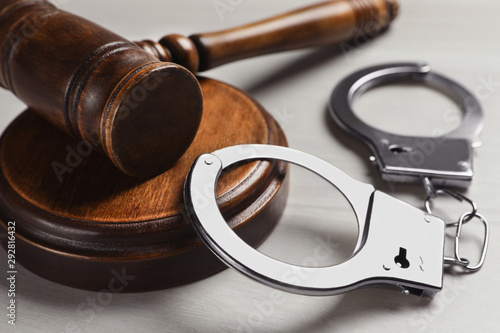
[{"x": 82, "y": 223}]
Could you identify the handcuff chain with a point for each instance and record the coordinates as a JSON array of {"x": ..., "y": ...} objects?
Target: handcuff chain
[{"x": 433, "y": 193}]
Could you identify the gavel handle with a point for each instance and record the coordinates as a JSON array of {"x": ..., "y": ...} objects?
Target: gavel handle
[{"x": 317, "y": 25}]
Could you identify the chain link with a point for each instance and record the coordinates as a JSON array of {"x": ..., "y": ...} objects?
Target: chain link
[{"x": 433, "y": 193}]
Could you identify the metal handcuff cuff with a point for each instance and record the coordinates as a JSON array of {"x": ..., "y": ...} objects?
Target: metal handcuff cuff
[{"x": 398, "y": 245}]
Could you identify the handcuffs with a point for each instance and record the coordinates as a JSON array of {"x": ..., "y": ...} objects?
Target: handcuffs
[{"x": 398, "y": 245}]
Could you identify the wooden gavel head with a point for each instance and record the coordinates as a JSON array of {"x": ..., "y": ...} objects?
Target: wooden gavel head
[
  {"x": 97, "y": 86},
  {"x": 130, "y": 101}
]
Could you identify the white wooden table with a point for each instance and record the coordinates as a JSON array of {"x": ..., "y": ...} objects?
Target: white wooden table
[{"x": 458, "y": 38}]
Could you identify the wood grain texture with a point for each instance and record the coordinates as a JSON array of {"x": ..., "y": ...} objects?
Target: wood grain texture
[
  {"x": 458, "y": 39},
  {"x": 127, "y": 100},
  {"x": 325, "y": 23},
  {"x": 98, "y": 86},
  {"x": 101, "y": 219}
]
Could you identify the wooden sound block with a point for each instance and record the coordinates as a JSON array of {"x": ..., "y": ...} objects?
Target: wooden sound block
[{"x": 83, "y": 223}]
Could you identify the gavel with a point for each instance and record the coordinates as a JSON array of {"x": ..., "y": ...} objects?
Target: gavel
[{"x": 140, "y": 103}]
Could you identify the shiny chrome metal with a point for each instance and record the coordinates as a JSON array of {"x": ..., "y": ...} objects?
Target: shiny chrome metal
[
  {"x": 433, "y": 193},
  {"x": 464, "y": 263},
  {"x": 453, "y": 194},
  {"x": 398, "y": 245},
  {"x": 430, "y": 190},
  {"x": 445, "y": 160}
]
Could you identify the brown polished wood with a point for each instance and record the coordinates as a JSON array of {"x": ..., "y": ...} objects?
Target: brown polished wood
[
  {"x": 321, "y": 24},
  {"x": 98, "y": 87},
  {"x": 78, "y": 229},
  {"x": 133, "y": 103}
]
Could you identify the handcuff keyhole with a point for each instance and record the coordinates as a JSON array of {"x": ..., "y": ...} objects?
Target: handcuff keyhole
[
  {"x": 397, "y": 149},
  {"x": 401, "y": 259}
]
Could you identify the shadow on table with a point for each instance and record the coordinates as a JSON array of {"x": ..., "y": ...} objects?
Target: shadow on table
[
  {"x": 313, "y": 59},
  {"x": 359, "y": 308}
]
